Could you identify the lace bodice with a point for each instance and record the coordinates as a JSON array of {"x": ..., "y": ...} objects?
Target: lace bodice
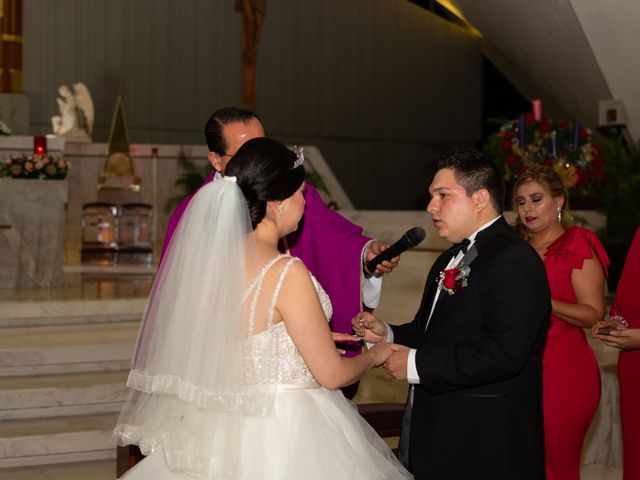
[{"x": 274, "y": 344}]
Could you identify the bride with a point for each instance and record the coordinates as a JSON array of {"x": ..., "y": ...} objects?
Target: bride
[{"x": 235, "y": 373}]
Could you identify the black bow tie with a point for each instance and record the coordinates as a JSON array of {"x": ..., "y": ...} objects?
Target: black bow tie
[{"x": 459, "y": 247}]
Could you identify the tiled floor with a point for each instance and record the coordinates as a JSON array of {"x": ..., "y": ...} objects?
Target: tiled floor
[
  {"x": 89, "y": 283},
  {"x": 103, "y": 470}
]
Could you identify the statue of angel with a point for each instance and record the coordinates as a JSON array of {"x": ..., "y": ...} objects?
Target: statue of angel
[{"x": 76, "y": 118}]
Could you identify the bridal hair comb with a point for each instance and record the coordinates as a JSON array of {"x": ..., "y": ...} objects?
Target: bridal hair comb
[{"x": 299, "y": 151}]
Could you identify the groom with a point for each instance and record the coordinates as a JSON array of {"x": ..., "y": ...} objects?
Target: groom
[{"x": 473, "y": 352}]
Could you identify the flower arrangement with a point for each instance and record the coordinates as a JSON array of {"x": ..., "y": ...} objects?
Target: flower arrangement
[
  {"x": 453, "y": 280},
  {"x": 536, "y": 140},
  {"x": 43, "y": 166}
]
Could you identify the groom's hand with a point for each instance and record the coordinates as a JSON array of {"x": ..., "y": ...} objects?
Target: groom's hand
[
  {"x": 369, "y": 327},
  {"x": 396, "y": 364}
]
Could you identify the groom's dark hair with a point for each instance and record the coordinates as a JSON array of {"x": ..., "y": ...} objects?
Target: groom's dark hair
[{"x": 474, "y": 170}]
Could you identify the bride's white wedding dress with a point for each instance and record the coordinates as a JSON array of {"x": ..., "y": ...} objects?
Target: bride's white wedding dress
[{"x": 312, "y": 432}]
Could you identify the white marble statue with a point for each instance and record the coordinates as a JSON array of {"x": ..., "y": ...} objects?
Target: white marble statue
[{"x": 76, "y": 118}]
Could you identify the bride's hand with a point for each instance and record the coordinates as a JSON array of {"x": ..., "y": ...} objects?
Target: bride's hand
[{"x": 344, "y": 338}]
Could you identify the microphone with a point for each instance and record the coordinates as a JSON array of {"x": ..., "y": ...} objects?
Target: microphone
[{"x": 410, "y": 239}]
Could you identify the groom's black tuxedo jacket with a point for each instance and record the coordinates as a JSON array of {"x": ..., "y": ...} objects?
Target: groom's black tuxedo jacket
[{"x": 477, "y": 412}]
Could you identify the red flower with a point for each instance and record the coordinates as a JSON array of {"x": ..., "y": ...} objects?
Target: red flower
[
  {"x": 512, "y": 160},
  {"x": 529, "y": 118},
  {"x": 584, "y": 133},
  {"x": 548, "y": 163},
  {"x": 583, "y": 179},
  {"x": 595, "y": 148},
  {"x": 449, "y": 280},
  {"x": 563, "y": 123},
  {"x": 545, "y": 125},
  {"x": 521, "y": 170},
  {"x": 506, "y": 145},
  {"x": 597, "y": 161},
  {"x": 508, "y": 135},
  {"x": 597, "y": 173}
]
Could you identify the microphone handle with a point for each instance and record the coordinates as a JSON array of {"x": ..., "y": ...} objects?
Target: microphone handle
[{"x": 393, "y": 251}]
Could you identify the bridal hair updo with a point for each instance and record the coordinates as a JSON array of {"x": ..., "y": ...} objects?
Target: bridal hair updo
[
  {"x": 549, "y": 179},
  {"x": 264, "y": 171}
]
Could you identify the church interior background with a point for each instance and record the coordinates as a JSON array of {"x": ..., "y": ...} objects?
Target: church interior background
[{"x": 113, "y": 96}]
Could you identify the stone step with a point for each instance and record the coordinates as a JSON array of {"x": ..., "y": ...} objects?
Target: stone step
[
  {"x": 62, "y": 395},
  {"x": 53, "y": 349},
  {"x": 96, "y": 470},
  {"x": 24, "y": 314},
  {"x": 45, "y": 441}
]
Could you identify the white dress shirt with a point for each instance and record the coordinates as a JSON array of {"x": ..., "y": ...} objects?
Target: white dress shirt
[
  {"x": 412, "y": 371},
  {"x": 371, "y": 286}
]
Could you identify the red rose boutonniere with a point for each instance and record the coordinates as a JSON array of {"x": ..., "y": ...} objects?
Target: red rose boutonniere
[{"x": 454, "y": 280}]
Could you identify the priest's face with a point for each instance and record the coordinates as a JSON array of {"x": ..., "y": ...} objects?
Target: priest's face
[
  {"x": 454, "y": 213},
  {"x": 235, "y": 134}
]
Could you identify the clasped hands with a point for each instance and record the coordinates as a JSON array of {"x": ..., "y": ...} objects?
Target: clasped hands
[
  {"x": 391, "y": 356},
  {"x": 617, "y": 335}
]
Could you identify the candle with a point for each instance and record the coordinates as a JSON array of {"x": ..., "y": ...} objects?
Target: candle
[
  {"x": 40, "y": 145},
  {"x": 537, "y": 109},
  {"x": 553, "y": 144},
  {"x": 521, "y": 131},
  {"x": 576, "y": 132}
]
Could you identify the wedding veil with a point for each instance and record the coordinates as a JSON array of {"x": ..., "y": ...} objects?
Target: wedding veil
[{"x": 187, "y": 379}]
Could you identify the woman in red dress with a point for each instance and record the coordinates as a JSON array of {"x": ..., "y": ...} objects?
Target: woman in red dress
[
  {"x": 626, "y": 336},
  {"x": 576, "y": 265}
]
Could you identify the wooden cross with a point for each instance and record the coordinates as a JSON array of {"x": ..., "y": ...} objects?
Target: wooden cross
[{"x": 253, "y": 13}]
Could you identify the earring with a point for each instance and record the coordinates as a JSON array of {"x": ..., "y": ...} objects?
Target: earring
[
  {"x": 280, "y": 211},
  {"x": 559, "y": 213}
]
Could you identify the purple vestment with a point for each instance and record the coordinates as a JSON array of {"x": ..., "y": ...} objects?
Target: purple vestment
[{"x": 328, "y": 244}]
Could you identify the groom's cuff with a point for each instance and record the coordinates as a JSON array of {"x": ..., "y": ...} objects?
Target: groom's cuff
[
  {"x": 390, "y": 336},
  {"x": 412, "y": 370}
]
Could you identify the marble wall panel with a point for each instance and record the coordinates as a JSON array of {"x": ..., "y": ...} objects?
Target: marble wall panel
[{"x": 32, "y": 220}]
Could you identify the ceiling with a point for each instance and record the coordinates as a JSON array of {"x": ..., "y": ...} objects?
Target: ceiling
[{"x": 569, "y": 53}]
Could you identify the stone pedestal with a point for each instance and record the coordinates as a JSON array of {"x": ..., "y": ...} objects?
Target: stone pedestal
[
  {"x": 14, "y": 111},
  {"x": 32, "y": 218}
]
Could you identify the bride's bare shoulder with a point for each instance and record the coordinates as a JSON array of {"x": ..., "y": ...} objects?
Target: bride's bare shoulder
[{"x": 297, "y": 280}]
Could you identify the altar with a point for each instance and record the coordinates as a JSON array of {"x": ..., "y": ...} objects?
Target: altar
[{"x": 32, "y": 220}]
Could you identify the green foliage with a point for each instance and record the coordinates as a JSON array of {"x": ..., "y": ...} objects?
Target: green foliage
[
  {"x": 619, "y": 194},
  {"x": 188, "y": 182}
]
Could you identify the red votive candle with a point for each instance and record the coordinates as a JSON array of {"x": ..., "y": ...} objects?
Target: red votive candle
[{"x": 40, "y": 145}]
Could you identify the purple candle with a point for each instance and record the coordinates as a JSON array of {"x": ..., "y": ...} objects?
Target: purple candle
[
  {"x": 576, "y": 132},
  {"x": 521, "y": 130},
  {"x": 553, "y": 144}
]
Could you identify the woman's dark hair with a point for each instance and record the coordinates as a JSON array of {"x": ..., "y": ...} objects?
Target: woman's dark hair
[{"x": 264, "y": 171}]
